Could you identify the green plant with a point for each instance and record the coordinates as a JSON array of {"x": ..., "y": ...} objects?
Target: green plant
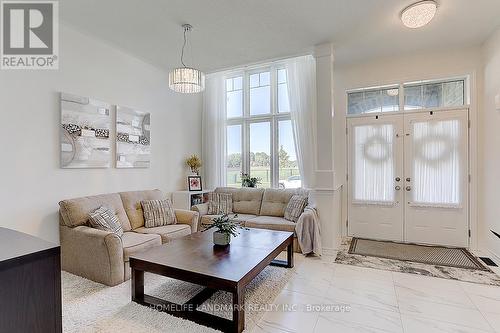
[
  {"x": 247, "y": 181},
  {"x": 224, "y": 225},
  {"x": 194, "y": 162}
]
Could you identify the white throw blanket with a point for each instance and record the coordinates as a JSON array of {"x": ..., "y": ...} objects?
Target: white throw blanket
[{"x": 308, "y": 230}]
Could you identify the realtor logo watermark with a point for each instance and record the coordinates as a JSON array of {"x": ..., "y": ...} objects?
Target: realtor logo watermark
[{"x": 29, "y": 35}]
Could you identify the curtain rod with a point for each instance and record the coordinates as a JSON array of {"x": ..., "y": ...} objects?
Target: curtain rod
[{"x": 259, "y": 63}]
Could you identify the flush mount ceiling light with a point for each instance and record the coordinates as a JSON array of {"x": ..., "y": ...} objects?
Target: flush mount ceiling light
[
  {"x": 186, "y": 80},
  {"x": 419, "y": 14}
]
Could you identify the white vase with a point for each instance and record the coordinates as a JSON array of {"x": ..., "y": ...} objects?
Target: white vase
[{"x": 221, "y": 239}]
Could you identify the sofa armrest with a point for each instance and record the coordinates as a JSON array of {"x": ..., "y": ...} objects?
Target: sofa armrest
[
  {"x": 92, "y": 253},
  {"x": 188, "y": 217},
  {"x": 202, "y": 209}
]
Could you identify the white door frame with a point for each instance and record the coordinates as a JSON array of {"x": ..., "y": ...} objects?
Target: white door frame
[{"x": 472, "y": 165}]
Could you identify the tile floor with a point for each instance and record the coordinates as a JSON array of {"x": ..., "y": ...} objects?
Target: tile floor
[{"x": 378, "y": 301}]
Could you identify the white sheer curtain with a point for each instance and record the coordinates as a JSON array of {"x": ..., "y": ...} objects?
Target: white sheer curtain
[
  {"x": 436, "y": 163},
  {"x": 374, "y": 163},
  {"x": 301, "y": 73},
  {"x": 214, "y": 132}
]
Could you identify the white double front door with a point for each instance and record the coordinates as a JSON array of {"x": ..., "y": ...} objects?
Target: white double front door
[{"x": 408, "y": 177}]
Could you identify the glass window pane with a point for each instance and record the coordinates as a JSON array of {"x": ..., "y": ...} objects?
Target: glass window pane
[
  {"x": 265, "y": 78},
  {"x": 281, "y": 76},
  {"x": 435, "y": 95},
  {"x": 355, "y": 103},
  {"x": 373, "y": 163},
  {"x": 234, "y": 156},
  {"x": 238, "y": 83},
  {"x": 283, "y": 101},
  {"x": 379, "y": 100},
  {"x": 234, "y": 97},
  {"x": 260, "y": 100},
  {"x": 260, "y": 152},
  {"x": 254, "y": 80},
  {"x": 413, "y": 98},
  {"x": 372, "y": 101},
  {"x": 453, "y": 93},
  {"x": 289, "y": 175},
  {"x": 390, "y": 100},
  {"x": 432, "y": 95}
]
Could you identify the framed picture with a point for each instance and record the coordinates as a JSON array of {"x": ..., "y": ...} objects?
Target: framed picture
[
  {"x": 84, "y": 132},
  {"x": 194, "y": 183}
]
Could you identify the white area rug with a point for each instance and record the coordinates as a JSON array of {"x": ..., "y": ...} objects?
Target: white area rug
[{"x": 92, "y": 307}]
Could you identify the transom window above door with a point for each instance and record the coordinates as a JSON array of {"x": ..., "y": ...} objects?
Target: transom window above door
[
  {"x": 412, "y": 96},
  {"x": 259, "y": 136}
]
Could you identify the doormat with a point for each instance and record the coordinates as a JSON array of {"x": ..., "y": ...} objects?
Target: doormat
[
  {"x": 425, "y": 254},
  {"x": 440, "y": 271}
]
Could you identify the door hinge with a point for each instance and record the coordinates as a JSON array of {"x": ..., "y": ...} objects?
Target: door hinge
[
  {"x": 347, "y": 223},
  {"x": 469, "y": 233},
  {"x": 469, "y": 123},
  {"x": 347, "y": 177}
]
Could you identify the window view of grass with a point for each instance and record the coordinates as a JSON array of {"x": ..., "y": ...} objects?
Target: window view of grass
[{"x": 260, "y": 166}]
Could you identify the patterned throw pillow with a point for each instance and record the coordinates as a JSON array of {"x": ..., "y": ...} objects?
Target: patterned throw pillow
[
  {"x": 220, "y": 203},
  {"x": 104, "y": 219},
  {"x": 295, "y": 207},
  {"x": 158, "y": 213}
]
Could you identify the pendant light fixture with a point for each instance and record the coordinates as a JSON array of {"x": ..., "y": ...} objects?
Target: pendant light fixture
[{"x": 186, "y": 80}]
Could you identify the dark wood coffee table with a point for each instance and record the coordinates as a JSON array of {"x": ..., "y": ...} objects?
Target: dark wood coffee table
[{"x": 195, "y": 259}]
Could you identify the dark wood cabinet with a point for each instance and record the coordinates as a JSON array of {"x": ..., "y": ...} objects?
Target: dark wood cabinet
[{"x": 30, "y": 284}]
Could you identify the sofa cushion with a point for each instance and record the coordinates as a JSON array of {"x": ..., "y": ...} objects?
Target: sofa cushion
[
  {"x": 295, "y": 207},
  {"x": 275, "y": 201},
  {"x": 76, "y": 211},
  {"x": 271, "y": 222},
  {"x": 207, "y": 219},
  {"x": 134, "y": 242},
  {"x": 167, "y": 232},
  {"x": 158, "y": 213},
  {"x": 220, "y": 203},
  {"x": 132, "y": 204},
  {"x": 104, "y": 219},
  {"x": 245, "y": 200}
]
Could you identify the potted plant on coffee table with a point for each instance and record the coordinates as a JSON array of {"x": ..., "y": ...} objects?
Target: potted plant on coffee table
[{"x": 225, "y": 228}]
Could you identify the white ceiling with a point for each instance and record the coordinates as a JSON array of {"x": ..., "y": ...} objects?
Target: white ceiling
[{"x": 235, "y": 32}]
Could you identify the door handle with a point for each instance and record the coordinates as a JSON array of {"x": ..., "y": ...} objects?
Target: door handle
[
  {"x": 398, "y": 179},
  {"x": 397, "y": 187},
  {"x": 408, "y": 188}
]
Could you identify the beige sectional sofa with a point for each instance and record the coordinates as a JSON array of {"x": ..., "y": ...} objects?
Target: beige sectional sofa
[
  {"x": 104, "y": 256},
  {"x": 257, "y": 208}
]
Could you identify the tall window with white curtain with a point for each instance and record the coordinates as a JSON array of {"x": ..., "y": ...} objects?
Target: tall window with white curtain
[{"x": 259, "y": 135}]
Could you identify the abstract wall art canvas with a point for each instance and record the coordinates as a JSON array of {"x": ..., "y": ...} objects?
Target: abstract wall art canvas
[
  {"x": 84, "y": 132},
  {"x": 133, "y": 138}
]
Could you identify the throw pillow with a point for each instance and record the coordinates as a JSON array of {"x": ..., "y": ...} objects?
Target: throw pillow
[
  {"x": 104, "y": 219},
  {"x": 158, "y": 213},
  {"x": 295, "y": 207},
  {"x": 220, "y": 203}
]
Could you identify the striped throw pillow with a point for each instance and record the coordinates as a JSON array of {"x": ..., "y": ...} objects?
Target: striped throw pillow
[
  {"x": 104, "y": 219},
  {"x": 295, "y": 207},
  {"x": 220, "y": 203},
  {"x": 158, "y": 213}
]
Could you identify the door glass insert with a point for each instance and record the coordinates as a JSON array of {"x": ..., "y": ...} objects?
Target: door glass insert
[
  {"x": 374, "y": 163},
  {"x": 436, "y": 163}
]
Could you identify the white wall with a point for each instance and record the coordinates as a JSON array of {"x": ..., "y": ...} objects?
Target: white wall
[
  {"x": 489, "y": 194},
  {"x": 31, "y": 182},
  {"x": 421, "y": 66}
]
